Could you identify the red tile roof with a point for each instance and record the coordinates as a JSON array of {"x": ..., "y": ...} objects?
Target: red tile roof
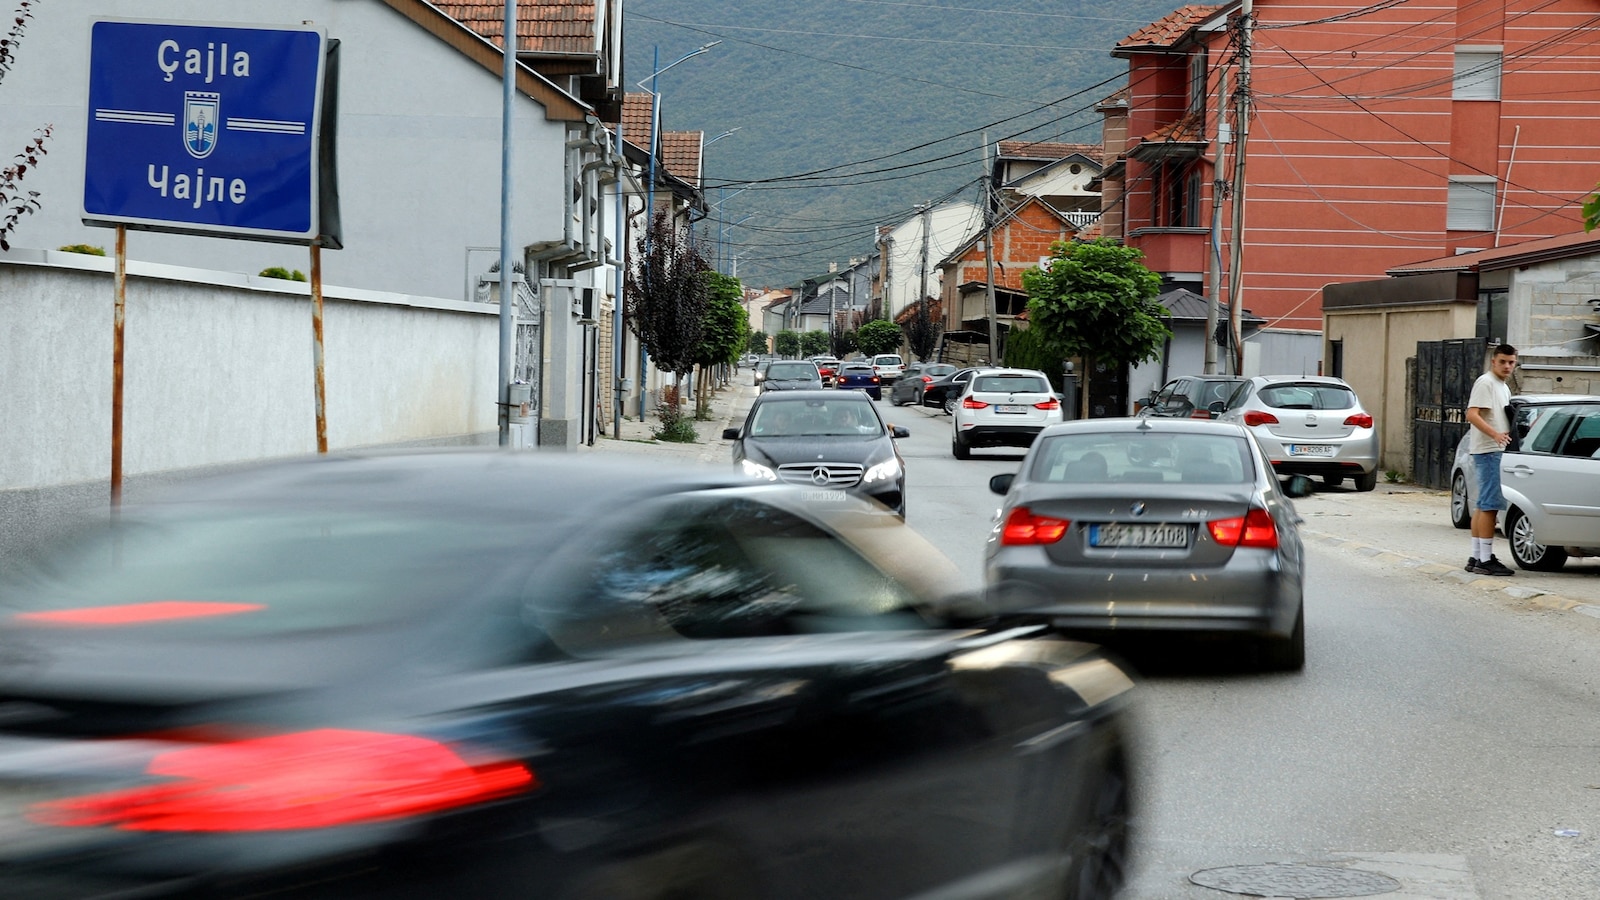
[
  {"x": 1047, "y": 150},
  {"x": 1182, "y": 131},
  {"x": 543, "y": 26},
  {"x": 680, "y": 154},
  {"x": 1169, "y": 30},
  {"x": 636, "y": 107}
]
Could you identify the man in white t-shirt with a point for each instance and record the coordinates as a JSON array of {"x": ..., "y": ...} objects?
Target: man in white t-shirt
[{"x": 1488, "y": 414}]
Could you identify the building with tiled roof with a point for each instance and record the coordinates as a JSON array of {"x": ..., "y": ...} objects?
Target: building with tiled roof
[
  {"x": 577, "y": 43},
  {"x": 1169, "y": 31},
  {"x": 1061, "y": 174},
  {"x": 681, "y": 152}
]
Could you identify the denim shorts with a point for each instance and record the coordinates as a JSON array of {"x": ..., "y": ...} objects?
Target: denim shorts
[{"x": 1487, "y": 467}]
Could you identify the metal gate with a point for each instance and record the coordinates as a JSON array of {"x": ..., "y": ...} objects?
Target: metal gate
[
  {"x": 1108, "y": 391},
  {"x": 1440, "y": 389}
]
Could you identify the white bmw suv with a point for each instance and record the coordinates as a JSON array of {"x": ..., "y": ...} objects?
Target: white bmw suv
[{"x": 1003, "y": 408}]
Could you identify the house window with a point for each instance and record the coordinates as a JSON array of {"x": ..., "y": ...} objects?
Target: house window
[
  {"x": 1471, "y": 204},
  {"x": 1477, "y": 74},
  {"x": 1177, "y": 196},
  {"x": 1197, "y": 83}
]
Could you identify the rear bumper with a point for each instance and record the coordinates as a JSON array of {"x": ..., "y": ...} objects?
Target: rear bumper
[{"x": 984, "y": 435}]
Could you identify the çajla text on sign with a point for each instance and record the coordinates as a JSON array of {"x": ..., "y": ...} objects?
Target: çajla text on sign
[
  {"x": 196, "y": 63},
  {"x": 212, "y": 189}
]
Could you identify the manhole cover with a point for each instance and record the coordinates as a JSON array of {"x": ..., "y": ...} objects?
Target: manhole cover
[{"x": 1298, "y": 882}]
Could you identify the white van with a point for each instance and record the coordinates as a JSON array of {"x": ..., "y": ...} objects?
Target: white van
[{"x": 888, "y": 366}]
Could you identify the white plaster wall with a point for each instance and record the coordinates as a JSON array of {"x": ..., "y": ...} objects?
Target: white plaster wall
[
  {"x": 419, "y": 146},
  {"x": 219, "y": 368},
  {"x": 950, "y": 225}
]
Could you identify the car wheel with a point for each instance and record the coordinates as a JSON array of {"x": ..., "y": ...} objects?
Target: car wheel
[
  {"x": 1525, "y": 547},
  {"x": 950, "y": 404},
  {"x": 1333, "y": 481},
  {"x": 959, "y": 448},
  {"x": 1287, "y": 654},
  {"x": 1102, "y": 851},
  {"x": 1460, "y": 511},
  {"x": 1367, "y": 482}
]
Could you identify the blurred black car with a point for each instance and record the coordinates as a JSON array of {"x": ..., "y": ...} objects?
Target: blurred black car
[
  {"x": 909, "y": 386},
  {"x": 1192, "y": 397},
  {"x": 761, "y": 370},
  {"x": 945, "y": 392},
  {"x": 506, "y": 675},
  {"x": 792, "y": 375},
  {"x": 830, "y": 442},
  {"x": 860, "y": 377}
]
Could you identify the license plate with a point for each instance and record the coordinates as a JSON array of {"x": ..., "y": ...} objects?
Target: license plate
[
  {"x": 1310, "y": 449},
  {"x": 1010, "y": 409},
  {"x": 1117, "y": 534},
  {"x": 823, "y": 496}
]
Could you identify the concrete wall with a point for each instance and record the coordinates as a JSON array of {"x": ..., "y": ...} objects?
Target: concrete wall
[
  {"x": 219, "y": 368},
  {"x": 950, "y": 224}
]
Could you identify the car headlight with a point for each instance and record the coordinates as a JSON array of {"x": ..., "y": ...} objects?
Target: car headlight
[
  {"x": 757, "y": 470},
  {"x": 884, "y": 471}
]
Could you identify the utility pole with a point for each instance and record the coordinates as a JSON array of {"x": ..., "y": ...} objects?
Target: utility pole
[
  {"x": 1241, "y": 127},
  {"x": 927, "y": 226},
  {"x": 988, "y": 257},
  {"x": 1219, "y": 190}
]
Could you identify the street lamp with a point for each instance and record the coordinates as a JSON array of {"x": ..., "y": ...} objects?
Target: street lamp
[{"x": 722, "y": 235}]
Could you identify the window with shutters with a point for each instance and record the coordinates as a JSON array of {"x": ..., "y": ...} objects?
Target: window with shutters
[
  {"x": 1471, "y": 204},
  {"x": 1477, "y": 74}
]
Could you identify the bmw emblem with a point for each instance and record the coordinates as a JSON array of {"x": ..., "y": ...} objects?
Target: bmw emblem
[{"x": 1137, "y": 508}]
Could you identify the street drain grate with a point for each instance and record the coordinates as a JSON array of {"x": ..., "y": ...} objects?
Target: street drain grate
[{"x": 1295, "y": 881}]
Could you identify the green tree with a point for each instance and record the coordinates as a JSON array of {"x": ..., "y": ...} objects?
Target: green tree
[
  {"x": 1026, "y": 349},
  {"x": 1591, "y": 211},
  {"x": 1096, "y": 302},
  {"x": 878, "y": 336},
  {"x": 757, "y": 343},
  {"x": 814, "y": 343},
  {"x": 14, "y": 201},
  {"x": 844, "y": 343},
  {"x": 723, "y": 333},
  {"x": 787, "y": 343},
  {"x": 665, "y": 296}
]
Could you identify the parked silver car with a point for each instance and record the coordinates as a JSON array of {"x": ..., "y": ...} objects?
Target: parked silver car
[
  {"x": 1309, "y": 425},
  {"x": 1464, "y": 479},
  {"x": 1151, "y": 526},
  {"x": 1551, "y": 484}
]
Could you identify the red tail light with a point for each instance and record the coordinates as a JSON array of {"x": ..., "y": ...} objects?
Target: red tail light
[
  {"x": 1023, "y": 527},
  {"x": 1052, "y": 403},
  {"x": 310, "y": 779},
  {"x": 970, "y": 403},
  {"x": 927, "y": 379},
  {"x": 1255, "y": 529},
  {"x": 1360, "y": 420},
  {"x": 1206, "y": 414},
  {"x": 876, "y": 379},
  {"x": 1253, "y": 418}
]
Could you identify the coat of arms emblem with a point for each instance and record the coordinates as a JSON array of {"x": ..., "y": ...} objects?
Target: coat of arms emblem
[{"x": 200, "y": 116}]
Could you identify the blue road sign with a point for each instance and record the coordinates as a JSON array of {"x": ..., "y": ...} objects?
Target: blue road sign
[{"x": 206, "y": 129}]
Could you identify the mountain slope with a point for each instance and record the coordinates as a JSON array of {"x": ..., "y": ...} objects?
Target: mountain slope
[{"x": 912, "y": 85}]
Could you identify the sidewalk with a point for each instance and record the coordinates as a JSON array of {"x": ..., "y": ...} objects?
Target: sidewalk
[
  {"x": 1409, "y": 527},
  {"x": 728, "y": 406}
]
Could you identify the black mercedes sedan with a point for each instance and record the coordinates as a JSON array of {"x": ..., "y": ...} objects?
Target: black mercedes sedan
[
  {"x": 511, "y": 675},
  {"x": 831, "y": 442}
]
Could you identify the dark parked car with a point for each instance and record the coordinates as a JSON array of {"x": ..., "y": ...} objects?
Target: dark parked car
[
  {"x": 761, "y": 370},
  {"x": 1151, "y": 526},
  {"x": 946, "y": 392},
  {"x": 908, "y": 387},
  {"x": 1192, "y": 397},
  {"x": 860, "y": 377},
  {"x": 792, "y": 375},
  {"x": 830, "y": 441},
  {"x": 496, "y": 675}
]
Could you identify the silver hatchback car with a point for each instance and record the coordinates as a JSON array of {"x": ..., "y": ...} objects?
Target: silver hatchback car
[
  {"x": 1309, "y": 425},
  {"x": 1151, "y": 525}
]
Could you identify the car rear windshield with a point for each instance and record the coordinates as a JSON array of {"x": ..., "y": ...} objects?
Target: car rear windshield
[
  {"x": 1308, "y": 396},
  {"x": 939, "y": 371},
  {"x": 1141, "y": 458},
  {"x": 886, "y": 361},
  {"x": 780, "y": 371},
  {"x": 1011, "y": 384}
]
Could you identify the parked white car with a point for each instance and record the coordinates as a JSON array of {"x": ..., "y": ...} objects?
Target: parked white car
[
  {"x": 1003, "y": 408},
  {"x": 888, "y": 366}
]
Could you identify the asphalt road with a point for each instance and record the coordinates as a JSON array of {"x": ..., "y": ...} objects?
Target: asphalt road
[{"x": 1442, "y": 734}]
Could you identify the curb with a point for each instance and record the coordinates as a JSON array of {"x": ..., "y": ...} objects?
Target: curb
[{"x": 1533, "y": 597}]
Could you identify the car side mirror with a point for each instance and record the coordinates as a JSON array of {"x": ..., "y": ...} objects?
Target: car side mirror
[
  {"x": 730, "y": 434},
  {"x": 899, "y": 431},
  {"x": 1001, "y": 484},
  {"x": 1298, "y": 486},
  {"x": 1216, "y": 407}
]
